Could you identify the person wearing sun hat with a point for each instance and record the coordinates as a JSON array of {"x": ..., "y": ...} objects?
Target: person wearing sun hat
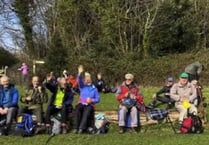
[
  {"x": 163, "y": 95},
  {"x": 128, "y": 91},
  {"x": 184, "y": 93}
]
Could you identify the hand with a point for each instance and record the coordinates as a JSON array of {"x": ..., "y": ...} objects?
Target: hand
[
  {"x": 59, "y": 107},
  {"x": 167, "y": 94},
  {"x": 48, "y": 77},
  {"x": 126, "y": 94},
  {"x": 28, "y": 98},
  {"x": 132, "y": 96},
  {"x": 5, "y": 110},
  {"x": 80, "y": 69},
  {"x": 39, "y": 89},
  {"x": 89, "y": 100},
  {"x": 1, "y": 111}
]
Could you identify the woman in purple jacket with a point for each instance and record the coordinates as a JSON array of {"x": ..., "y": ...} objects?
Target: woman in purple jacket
[{"x": 84, "y": 110}]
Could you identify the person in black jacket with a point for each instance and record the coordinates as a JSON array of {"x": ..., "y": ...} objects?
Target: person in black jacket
[
  {"x": 165, "y": 99},
  {"x": 60, "y": 101}
]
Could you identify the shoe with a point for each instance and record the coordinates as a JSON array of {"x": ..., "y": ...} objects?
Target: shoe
[
  {"x": 122, "y": 130},
  {"x": 75, "y": 131},
  {"x": 38, "y": 129},
  {"x": 80, "y": 131},
  {"x": 133, "y": 130},
  {"x": 151, "y": 106}
]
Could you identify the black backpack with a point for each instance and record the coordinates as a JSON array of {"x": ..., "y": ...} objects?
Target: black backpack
[{"x": 192, "y": 124}]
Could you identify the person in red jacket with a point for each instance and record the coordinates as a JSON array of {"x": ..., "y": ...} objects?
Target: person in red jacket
[{"x": 128, "y": 95}]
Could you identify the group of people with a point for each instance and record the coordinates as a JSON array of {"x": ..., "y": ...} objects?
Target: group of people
[
  {"x": 63, "y": 89},
  {"x": 62, "y": 96},
  {"x": 185, "y": 95}
]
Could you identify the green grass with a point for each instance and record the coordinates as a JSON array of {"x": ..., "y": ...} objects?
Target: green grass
[{"x": 153, "y": 136}]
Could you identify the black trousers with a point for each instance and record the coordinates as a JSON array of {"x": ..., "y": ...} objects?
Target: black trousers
[
  {"x": 52, "y": 110},
  {"x": 83, "y": 116},
  {"x": 163, "y": 100}
]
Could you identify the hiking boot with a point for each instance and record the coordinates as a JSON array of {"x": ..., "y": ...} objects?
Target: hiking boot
[
  {"x": 133, "y": 130},
  {"x": 151, "y": 106},
  {"x": 38, "y": 129},
  {"x": 122, "y": 130}
]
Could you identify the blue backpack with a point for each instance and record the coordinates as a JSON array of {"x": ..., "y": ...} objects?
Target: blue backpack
[{"x": 25, "y": 125}]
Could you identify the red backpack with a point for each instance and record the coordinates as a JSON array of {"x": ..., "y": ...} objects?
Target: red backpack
[{"x": 192, "y": 124}]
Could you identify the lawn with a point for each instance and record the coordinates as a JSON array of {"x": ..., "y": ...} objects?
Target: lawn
[{"x": 153, "y": 136}]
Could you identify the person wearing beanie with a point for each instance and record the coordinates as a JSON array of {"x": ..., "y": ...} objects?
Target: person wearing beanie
[{"x": 165, "y": 99}]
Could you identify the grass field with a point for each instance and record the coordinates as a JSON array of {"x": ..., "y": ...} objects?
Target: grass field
[{"x": 153, "y": 136}]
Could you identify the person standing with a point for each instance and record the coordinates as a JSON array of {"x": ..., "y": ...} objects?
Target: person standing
[
  {"x": 194, "y": 70},
  {"x": 9, "y": 96},
  {"x": 184, "y": 94},
  {"x": 24, "y": 71}
]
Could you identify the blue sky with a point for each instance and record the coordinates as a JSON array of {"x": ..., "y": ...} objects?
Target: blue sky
[{"x": 10, "y": 29}]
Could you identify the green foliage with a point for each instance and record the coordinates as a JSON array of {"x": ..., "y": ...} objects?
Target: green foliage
[
  {"x": 22, "y": 9},
  {"x": 175, "y": 28},
  {"x": 57, "y": 56},
  {"x": 7, "y": 58}
]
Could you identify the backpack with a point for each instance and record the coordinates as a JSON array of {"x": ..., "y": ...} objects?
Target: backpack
[
  {"x": 25, "y": 125},
  {"x": 191, "y": 124},
  {"x": 128, "y": 102},
  {"x": 101, "y": 125},
  {"x": 158, "y": 114},
  {"x": 56, "y": 126}
]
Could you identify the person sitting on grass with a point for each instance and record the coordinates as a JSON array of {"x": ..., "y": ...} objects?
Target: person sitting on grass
[
  {"x": 184, "y": 93},
  {"x": 165, "y": 99},
  {"x": 60, "y": 101},
  {"x": 128, "y": 91},
  {"x": 84, "y": 110}
]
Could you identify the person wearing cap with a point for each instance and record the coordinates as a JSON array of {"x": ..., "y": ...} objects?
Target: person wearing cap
[
  {"x": 84, "y": 110},
  {"x": 128, "y": 90},
  {"x": 184, "y": 93},
  {"x": 194, "y": 70},
  {"x": 165, "y": 99}
]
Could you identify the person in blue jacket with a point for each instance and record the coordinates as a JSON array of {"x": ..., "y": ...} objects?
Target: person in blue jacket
[
  {"x": 8, "y": 103},
  {"x": 84, "y": 110}
]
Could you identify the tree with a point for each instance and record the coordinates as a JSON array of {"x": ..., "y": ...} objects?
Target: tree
[{"x": 57, "y": 57}]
